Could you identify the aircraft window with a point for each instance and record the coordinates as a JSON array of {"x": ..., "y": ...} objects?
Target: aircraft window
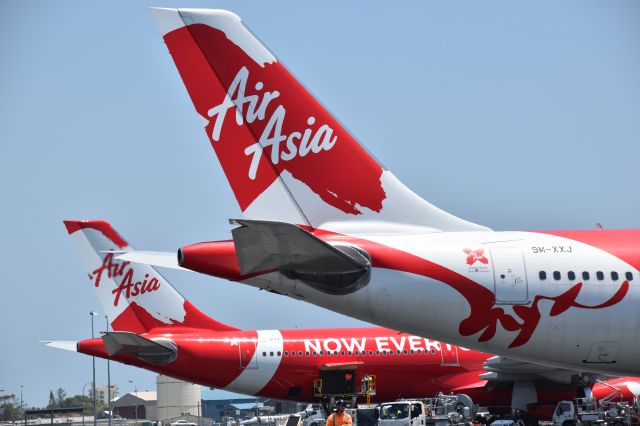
[
  {"x": 264, "y": 354},
  {"x": 419, "y": 351},
  {"x": 585, "y": 275},
  {"x": 556, "y": 275},
  {"x": 314, "y": 353},
  {"x": 321, "y": 353},
  {"x": 371, "y": 352},
  {"x": 542, "y": 275},
  {"x": 571, "y": 275},
  {"x": 355, "y": 353},
  {"x": 293, "y": 353},
  {"x": 412, "y": 351},
  {"x": 349, "y": 353},
  {"x": 286, "y": 353},
  {"x": 399, "y": 352},
  {"x": 599, "y": 275},
  {"x": 279, "y": 353},
  {"x": 300, "y": 353},
  {"x": 629, "y": 276},
  {"x": 377, "y": 352},
  {"x": 433, "y": 351},
  {"x": 614, "y": 275},
  {"x": 270, "y": 353},
  {"x": 336, "y": 353},
  {"x": 342, "y": 353}
]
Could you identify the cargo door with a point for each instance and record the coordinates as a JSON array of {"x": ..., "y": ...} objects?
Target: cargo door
[
  {"x": 248, "y": 355},
  {"x": 449, "y": 354},
  {"x": 510, "y": 276}
]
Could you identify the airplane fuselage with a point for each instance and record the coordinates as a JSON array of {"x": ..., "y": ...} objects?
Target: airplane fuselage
[
  {"x": 284, "y": 363},
  {"x": 565, "y": 298}
]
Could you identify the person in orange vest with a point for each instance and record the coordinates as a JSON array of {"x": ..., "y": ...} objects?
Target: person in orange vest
[{"x": 339, "y": 417}]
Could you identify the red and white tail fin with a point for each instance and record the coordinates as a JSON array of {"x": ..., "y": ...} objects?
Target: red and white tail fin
[
  {"x": 135, "y": 297},
  {"x": 285, "y": 156}
]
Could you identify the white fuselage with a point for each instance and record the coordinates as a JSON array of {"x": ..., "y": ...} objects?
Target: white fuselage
[{"x": 484, "y": 290}]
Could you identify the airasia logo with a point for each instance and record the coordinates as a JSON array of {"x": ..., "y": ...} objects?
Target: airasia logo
[
  {"x": 127, "y": 285},
  {"x": 474, "y": 256},
  {"x": 249, "y": 108}
]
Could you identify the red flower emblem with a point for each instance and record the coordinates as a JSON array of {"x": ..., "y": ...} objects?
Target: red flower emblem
[{"x": 474, "y": 256}]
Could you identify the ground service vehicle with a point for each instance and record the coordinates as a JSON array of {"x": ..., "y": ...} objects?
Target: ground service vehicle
[
  {"x": 443, "y": 410},
  {"x": 590, "y": 411}
]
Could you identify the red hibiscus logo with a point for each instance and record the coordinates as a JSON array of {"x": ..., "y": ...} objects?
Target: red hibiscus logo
[{"x": 474, "y": 256}]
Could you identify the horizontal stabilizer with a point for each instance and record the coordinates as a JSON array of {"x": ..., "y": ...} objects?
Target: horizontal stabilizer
[
  {"x": 62, "y": 344},
  {"x": 154, "y": 258},
  {"x": 297, "y": 254},
  {"x": 158, "y": 351}
]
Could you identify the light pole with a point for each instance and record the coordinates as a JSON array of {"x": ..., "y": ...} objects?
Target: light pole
[
  {"x": 108, "y": 379},
  {"x": 85, "y": 386},
  {"x": 93, "y": 360},
  {"x": 22, "y": 409},
  {"x": 135, "y": 390}
]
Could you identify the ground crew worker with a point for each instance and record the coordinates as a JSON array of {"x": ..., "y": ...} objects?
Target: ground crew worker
[{"x": 339, "y": 417}]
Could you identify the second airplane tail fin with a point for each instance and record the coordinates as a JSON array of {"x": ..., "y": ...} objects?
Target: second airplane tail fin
[
  {"x": 135, "y": 297},
  {"x": 285, "y": 156}
]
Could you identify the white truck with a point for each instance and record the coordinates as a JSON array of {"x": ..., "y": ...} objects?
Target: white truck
[
  {"x": 443, "y": 410},
  {"x": 589, "y": 411}
]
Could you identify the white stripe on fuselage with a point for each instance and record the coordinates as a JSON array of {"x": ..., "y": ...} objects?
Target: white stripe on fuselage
[{"x": 253, "y": 379}]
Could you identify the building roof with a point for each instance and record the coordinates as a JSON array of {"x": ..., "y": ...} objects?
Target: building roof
[
  {"x": 245, "y": 406},
  {"x": 136, "y": 398},
  {"x": 146, "y": 395}
]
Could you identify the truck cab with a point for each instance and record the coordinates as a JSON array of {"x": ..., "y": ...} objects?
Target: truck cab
[{"x": 402, "y": 413}]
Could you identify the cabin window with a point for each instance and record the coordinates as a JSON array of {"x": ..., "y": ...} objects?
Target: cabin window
[
  {"x": 629, "y": 276},
  {"x": 542, "y": 275},
  {"x": 412, "y": 351},
  {"x": 342, "y": 353},
  {"x": 356, "y": 353},
  {"x": 315, "y": 353},
  {"x": 279, "y": 353},
  {"x": 370, "y": 352},
  {"x": 264, "y": 354},
  {"x": 398, "y": 352},
  {"x": 614, "y": 275},
  {"x": 349, "y": 353},
  {"x": 600, "y": 275},
  {"x": 286, "y": 353},
  {"x": 321, "y": 353},
  {"x": 270, "y": 353},
  {"x": 300, "y": 353},
  {"x": 585, "y": 275},
  {"x": 556, "y": 275},
  {"x": 571, "y": 275}
]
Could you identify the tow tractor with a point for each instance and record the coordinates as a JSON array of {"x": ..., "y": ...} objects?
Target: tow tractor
[{"x": 443, "y": 410}]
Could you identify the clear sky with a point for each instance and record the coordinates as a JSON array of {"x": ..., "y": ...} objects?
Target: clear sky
[{"x": 509, "y": 114}]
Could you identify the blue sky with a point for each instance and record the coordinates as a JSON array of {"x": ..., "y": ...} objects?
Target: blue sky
[{"x": 509, "y": 114}]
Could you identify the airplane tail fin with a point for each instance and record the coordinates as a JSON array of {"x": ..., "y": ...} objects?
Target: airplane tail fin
[
  {"x": 135, "y": 297},
  {"x": 285, "y": 156}
]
